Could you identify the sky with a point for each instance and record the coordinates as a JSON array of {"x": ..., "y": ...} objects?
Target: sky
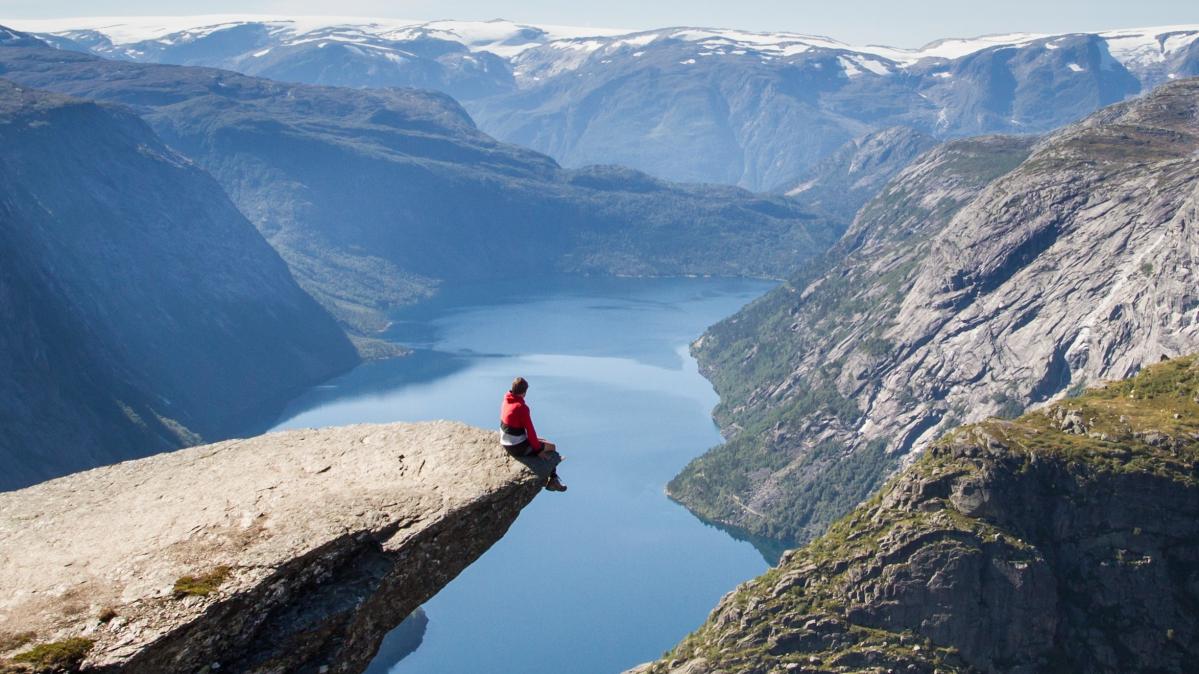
[{"x": 900, "y": 23}]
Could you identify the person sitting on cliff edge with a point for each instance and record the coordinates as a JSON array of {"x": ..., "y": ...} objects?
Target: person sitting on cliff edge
[{"x": 519, "y": 437}]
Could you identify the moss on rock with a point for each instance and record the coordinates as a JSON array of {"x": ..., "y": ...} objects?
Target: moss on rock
[
  {"x": 201, "y": 585},
  {"x": 56, "y": 656}
]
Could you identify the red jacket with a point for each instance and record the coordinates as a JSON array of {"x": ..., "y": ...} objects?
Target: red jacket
[{"x": 514, "y": 413}]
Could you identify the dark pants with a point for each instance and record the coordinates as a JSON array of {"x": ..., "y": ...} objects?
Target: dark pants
[{"x": 544, "y": 464}]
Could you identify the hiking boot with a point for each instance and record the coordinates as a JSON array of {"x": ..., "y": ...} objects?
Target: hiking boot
[{"x": 555, "y": 485}]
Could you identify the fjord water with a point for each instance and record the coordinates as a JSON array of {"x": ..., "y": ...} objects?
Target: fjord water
[{"x": 611, "y": 573}]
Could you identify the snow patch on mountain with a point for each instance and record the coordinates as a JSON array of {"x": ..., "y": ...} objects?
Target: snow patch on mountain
[
  {"x": 122, "y": 30},
  {"x": 955, "y": 48},
  {"x": 1149, "y": 46},
  {"x": 510, "y": 40},
  {"x": 503, "y": 38}
]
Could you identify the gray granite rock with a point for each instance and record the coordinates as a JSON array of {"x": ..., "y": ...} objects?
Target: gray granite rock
[
  {"x": 305, "y": 547},
  {"x": 973, "y": 285}
]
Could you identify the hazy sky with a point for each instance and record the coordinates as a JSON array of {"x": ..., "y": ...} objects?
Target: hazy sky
[{"x": 906, "y": 23}]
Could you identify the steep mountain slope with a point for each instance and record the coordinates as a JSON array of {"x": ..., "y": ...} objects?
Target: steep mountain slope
[
  {"x": 970, "y": 286},
  {"x": 374, "y": 196},
  {"x": 1064, "y": 541},
  {"x": 697, "y": 104},
  {"x": 845, "y": 180},
  {"x": 141, "y": 310}
]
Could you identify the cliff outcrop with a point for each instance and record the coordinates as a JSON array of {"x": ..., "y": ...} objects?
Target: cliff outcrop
[
  {"x": 1066, "y": 540},
  {"x": 294, "y": 551}
]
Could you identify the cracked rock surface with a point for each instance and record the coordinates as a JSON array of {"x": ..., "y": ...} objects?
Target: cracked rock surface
[{"x": 303, "y": 547}]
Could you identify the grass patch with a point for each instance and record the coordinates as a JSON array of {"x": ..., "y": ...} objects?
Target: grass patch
[
  {"x": 202, "y": 585},
  {"x": 56, "y": 656}
]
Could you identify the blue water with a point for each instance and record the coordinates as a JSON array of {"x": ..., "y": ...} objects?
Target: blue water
[{"x": 611, "y": 573}]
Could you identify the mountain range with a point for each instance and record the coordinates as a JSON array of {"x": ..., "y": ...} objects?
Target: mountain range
[
  {"x": 183, "y": 247},
  {"x": 142, "y": 311},
  {"x": 375, "y": 196},
  {"x": 681, "y": 103},
  {"x": 990, "y": 275}
]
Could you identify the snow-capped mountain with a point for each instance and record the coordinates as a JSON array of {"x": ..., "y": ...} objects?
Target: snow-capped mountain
[
  {"x": 8, "y": 37},
  {"x": 1138, "y": 49},
  {"x": 754, "y": 109},
  {"x": 759, "y": 110},
  {"x": 143, "y": 38},
  {"x": 466, "y": 59}
]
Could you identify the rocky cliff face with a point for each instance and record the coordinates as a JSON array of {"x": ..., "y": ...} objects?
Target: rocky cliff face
[
  {"x": 141, "y": 310},
  {"x": 845, "y": 180},
  {"x": 953, "y": 299},
  {"x": 375, "y": 196},
  {"x": 841, "y": 300},
  {"x": 289, "y": 552},
  {"x": 1065, "y": 540}
]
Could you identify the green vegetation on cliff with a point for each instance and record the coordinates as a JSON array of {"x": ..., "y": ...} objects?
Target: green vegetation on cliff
[
  {"x": 201, "y": 585},
  {"x": 1064, "y": 540},
  {"x": 56, "y": 656}
]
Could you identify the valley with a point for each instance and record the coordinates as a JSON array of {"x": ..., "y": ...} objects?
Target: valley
[
  {"x": 940, "y": 303},
  {"x": 344, "y": 183}
]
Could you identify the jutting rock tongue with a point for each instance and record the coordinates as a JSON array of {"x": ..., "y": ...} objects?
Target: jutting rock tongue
[{"x": 293, "y": 551}]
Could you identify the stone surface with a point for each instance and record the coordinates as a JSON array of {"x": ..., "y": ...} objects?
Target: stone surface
[
  {"x": 1008, "y": 546},
  {"x": 330, "y": 538}
]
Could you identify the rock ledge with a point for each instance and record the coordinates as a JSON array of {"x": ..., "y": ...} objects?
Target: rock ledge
[{"x": 303, "y": 548}]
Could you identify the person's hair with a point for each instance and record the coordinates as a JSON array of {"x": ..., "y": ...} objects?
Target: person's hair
[{"x": 519, "y": 386}]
